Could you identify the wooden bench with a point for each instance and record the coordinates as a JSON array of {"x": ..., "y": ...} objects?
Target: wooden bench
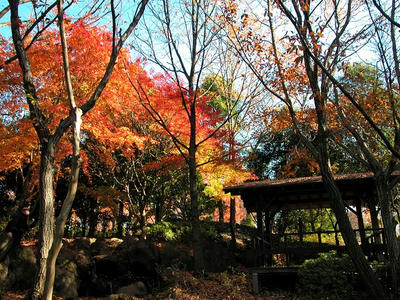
[{"x": 270, "y": 271}]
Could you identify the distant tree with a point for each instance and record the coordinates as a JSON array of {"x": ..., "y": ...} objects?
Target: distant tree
[{"x": 180, "y": 42}]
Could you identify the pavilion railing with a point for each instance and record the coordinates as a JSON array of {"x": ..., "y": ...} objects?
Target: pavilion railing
[{"x": 298, "y": 243}]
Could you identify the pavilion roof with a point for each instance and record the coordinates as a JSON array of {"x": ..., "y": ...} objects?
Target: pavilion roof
[{"x": 303, "y": 192}]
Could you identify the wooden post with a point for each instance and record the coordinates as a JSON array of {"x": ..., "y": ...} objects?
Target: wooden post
[
  {"x": 336, "y": 235},
  {"x": 260, "y": 248},
  {"x": 256, "y": 288},
  {"x": 375, "y": 227},
  {"x": 300, "y": 230},
  {"x": 268, "y": 234},
  {"x": 375, "y": 223},
  {"x": 286, "y": 249},
  {"x": 360, "y": 221}
]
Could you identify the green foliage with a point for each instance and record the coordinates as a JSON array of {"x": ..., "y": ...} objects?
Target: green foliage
[
  {"x": 209, "y": 231},
  {"x": 234, "y": 288},
  {"x": 327, "y": 277},
  {"x": 248, "y": 221},
  {"x": 3, "y": 223},
  {"x": 270, "y": 155},
  {"x": 167, "y": 231},
  {"x": 178, "y": 231}
]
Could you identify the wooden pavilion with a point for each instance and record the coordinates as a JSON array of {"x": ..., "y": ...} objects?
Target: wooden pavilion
[{"x": 267, "y": 197}]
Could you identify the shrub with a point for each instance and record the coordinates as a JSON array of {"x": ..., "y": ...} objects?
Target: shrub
[
  {"x": 209, "y": 231},
  {"x": 248, "y": 221},
  {"x": 167, "y": 231},
  {"x": 327, "y": 277}
]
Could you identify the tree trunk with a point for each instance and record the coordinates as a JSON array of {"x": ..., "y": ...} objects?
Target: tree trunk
[
  {"x": 221, "y": 212},
  {"x": 352, "y": 246},
  {"x": 120, "y": 224},
  {"x": 142, "y": 223},
  {"x": 384, "y": 196},
  {"x": 65, "y": 210},
  {"x": 158, "y": 212},
  {"x": 194, "y": 199},
  {"x": 232, "y": 221},
  {"x": 93, "y": 217},
  {"x": 84, "y": 226},
  {"x": 375, "y": 224},
  {"x": 46, "y": 217}
]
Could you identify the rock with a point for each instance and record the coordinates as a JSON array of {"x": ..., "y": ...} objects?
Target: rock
[
  {"x": 110, "y": 267},
  {"x": 4, "y": 271},
  {"x": 83, "y": 243},
  {"x": 137, "y": 289},
  {"x": 171, "y": 255},
  {"x": 6, "y": 243},
  {"x": 104, "y": 246},
  {"x": 141, "y": 259},
  {"x": 66, "y": 281},
  {"x": 21, "y": 268},
  {"x": 119, "y": 297},
  {"x": 219, "y": 257}
]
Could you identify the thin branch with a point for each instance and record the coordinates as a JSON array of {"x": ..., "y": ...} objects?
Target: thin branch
[
  {"x": 390, "y": 19},
  {"x": 339, "y": 85}
]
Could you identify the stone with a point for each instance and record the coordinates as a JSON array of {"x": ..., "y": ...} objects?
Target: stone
[
  {"x": 137, "y": 289},
  {"x": 66, "y": 281},
  {"x": 21, "y": 268},
  {"x": 4, "y": 269}
]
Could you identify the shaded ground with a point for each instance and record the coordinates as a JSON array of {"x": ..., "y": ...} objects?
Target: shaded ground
[
  {"x": 234, "y": 284},
  {"x": 228, "y": 277},
  {"x": 186, "y": 285}
]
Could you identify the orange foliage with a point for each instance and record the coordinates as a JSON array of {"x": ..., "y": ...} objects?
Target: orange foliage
[
  {"x": 118, "y": 122},
  {"x": 89, "y": 48}
]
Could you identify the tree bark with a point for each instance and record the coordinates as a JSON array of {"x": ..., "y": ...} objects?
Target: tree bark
[
  {"x": 46, "y": 217},
  {"x": 384, "y": 196},
  {"x": 352, "y": 246},
  {"x": 93, "y": 217},
  {"x": 65, "y": 209},
  {"x": 194, "y": 199},
  {"x": 120, "y": 224},
  {"x": 232, "y": 221},
  {"x": 221, "y": 212}
]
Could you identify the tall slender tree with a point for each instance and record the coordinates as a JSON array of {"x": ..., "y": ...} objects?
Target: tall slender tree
[
  {"x": 51, "y": 228},
  {"x": 184, "y": 46}
]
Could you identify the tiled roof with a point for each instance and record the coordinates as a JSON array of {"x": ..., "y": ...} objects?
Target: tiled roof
[{"x": 294, "y": 181}]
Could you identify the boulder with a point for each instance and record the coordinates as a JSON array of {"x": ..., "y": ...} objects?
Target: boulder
[
  {"x": 110, "y": 267},
  {"x": 21, "y": 268},
  {"x": 6, "y": 242},
  {"x": 103, "y": 246},
  {"x": 137, "y": 289},
  {"x": 3, "y": 274},
  {"x": 4, "y": 269},
  {"x": 119, "y": 297},
  {"x": 142, "y": 259},
  {"x": 66, "y": 282},
  {"x": 82, "y": 243}
]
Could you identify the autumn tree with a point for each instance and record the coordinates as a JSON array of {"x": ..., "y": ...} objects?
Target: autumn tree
[
  {"x": 234, "y": 94},
  {"x": 303, "y": 61},
  {"x": 49, "y": 132},
  {"x": 367, "y": 103},
  {"x": 182, "y": 46}
]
